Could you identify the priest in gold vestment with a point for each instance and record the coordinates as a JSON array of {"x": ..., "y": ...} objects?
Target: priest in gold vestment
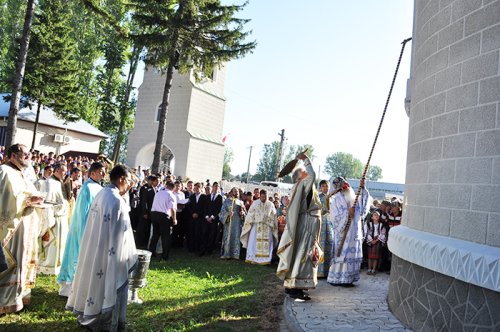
[
  {"x": 260, "y": 232},
  {"x": 18, "y": 231}
]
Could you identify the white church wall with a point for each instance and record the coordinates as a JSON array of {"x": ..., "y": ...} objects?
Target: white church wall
[{"x": 205, "y": 161}]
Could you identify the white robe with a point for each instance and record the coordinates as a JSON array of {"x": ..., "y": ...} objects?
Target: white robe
[
  {"x": 19, "y": 227},
  {"x": 260, "y": 232},
  {"x": 55, "y": 226},
  {"x": 344, "y": 269},
  {"x": 107, "y": 255}
]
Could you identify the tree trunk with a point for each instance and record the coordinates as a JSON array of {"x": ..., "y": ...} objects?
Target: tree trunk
[
  {"x": 18, "y": 80},
  {"x": 162, "y": 125},
  {"x": 35, "y": 127},
  {"x": 134, "y": 61},
  {"x": 107, "y": 97}
]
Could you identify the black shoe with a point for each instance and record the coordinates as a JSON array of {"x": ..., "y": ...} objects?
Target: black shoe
[{"x": 299, "y": 295}]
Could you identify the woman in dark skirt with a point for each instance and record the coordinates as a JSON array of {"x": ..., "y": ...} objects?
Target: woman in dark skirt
[{"x": 375, "y": 239}]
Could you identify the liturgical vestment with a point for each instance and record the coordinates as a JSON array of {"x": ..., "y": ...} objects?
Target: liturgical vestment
[
  {"x": 19, "y": 228},
  {"x": 260, "y": 232},
  {"x": 107, "y": 255},
  {"x": 79, "y": 216},
  {"x": 299, "y": 249}
]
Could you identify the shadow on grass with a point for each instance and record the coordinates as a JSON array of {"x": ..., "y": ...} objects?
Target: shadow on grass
[
  {"x": 187, "y": 293},
  {"x": 230, "y": 314}
]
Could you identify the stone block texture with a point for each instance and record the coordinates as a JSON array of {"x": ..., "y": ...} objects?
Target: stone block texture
[
  {"x": 425, "y": 300},
  {"x": 454, "y": 128}
]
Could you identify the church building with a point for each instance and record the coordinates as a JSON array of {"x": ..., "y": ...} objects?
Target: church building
[{"x": 193, "y": 144}]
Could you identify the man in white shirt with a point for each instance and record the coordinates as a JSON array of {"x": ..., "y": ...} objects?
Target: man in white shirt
[
  {"x": 179, "y": 231},
  {"x": 163, "y": 217}
]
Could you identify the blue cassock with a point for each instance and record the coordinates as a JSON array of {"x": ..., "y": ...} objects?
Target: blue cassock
[{"x": 77, "y": 227}]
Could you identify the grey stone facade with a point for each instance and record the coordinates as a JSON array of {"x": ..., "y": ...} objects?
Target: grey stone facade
[
  {"x": 453, "y": 163},
  {"x": 429, "y": 301},
  {"x": 454, "y": 134}
]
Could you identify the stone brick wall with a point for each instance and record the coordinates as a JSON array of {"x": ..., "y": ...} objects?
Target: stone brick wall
[
  {"x": 426, "y": 300},
  {"x": 453, "y": 161}
]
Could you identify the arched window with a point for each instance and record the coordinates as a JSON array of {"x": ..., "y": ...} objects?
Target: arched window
[{"x": 157, "y": 115}]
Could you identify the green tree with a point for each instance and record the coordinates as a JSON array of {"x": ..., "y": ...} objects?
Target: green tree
[
  {"x": 228, "y": 159},
  {"x": 266, "y": 168},
  {"x": 187, "y": 34},
  {"x": 374, "y": 173},
  {"x": 127, "y": 105},
  {"x": 343, "y": 164},
  {"x": 52, "y": 70},
  {"x": 294, "y": 150},
  {"x": 108, "y": 99},
  {"x": 11, "y": 24},
  {"x": 89, "y": 33}
]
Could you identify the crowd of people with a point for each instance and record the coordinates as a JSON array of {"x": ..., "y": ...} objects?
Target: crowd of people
[{"x": 58, "y": 217}]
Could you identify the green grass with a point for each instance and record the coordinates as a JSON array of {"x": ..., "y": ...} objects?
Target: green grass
[{"x": 187, "y": 293}]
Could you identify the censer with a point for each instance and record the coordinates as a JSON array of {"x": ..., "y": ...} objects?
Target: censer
[{"x": 137, "y": 277}]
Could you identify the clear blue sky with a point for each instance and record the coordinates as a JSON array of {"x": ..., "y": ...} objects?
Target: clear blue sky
[{"x": 321, "y": 71}]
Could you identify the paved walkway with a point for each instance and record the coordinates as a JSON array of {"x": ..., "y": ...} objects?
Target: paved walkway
[{"x": 333, "y": 308}]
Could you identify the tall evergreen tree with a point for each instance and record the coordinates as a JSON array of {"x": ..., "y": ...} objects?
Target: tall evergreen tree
[
  {"x": 52, "y": 70},
  {"x": 11, "y": 24},
  {"x": 88, "y": 33},
  {"x": 187, "y": 34},
  {"x": 127, "y": 104}
]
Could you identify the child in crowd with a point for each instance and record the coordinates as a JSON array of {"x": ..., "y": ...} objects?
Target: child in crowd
[{"x": 375, "y": 239}]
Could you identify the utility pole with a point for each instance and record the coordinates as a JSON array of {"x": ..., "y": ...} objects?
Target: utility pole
[
  {"x": 248, "y": 168},
  {"x": 280, "y": 152}
]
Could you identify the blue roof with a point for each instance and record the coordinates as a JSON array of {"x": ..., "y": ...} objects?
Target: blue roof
[{"x": 49, "y": 118}]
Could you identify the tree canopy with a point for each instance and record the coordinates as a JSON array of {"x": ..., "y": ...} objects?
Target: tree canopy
[
  {"x": 186, "y": 35},
  {"x": 346, "y": 165}
]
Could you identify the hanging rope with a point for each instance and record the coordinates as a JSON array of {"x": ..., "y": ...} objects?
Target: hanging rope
[{"x": 348, "y": 225}]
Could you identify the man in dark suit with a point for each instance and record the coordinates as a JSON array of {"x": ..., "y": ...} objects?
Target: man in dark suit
[
  {"x": 146, "y": 197},
  {"x": 195, "y": 208},
  {"x": 211, "y": 220}
]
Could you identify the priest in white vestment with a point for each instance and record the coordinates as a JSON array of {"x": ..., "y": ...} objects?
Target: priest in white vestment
[
  {"x": 19, "y": 228},
  {"x": 344, "y": 268},
  {"x": 107, "y": 256},
  {"x": 260, "y": 231},
  {"x": 55, "y": 222}
]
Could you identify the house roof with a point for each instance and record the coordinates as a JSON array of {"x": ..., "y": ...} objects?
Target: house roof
[{"x": 49, "y": 118}]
